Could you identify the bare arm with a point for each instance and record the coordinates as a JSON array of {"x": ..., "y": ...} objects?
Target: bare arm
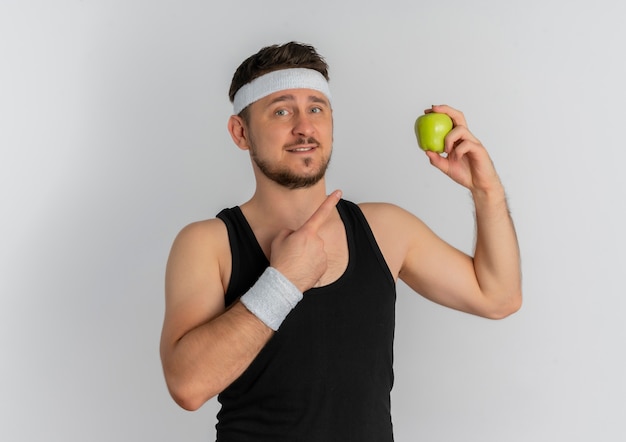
[
  {"x": 487, "y": 284},
  {"x": 205, "y": 347},
  {"x": 496, "y": 257}
]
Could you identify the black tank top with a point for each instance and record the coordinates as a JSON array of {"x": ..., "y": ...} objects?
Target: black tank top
[{"x": 326, "y": 375}]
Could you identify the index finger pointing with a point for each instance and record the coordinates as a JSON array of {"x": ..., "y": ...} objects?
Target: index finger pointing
[{"x": 323, "y": 211}]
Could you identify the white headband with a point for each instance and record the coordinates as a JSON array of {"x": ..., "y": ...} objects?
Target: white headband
[{"x": 296, "y": 78}]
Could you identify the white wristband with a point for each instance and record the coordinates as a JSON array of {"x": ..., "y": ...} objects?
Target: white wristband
[{"x": 271, "y": 298}]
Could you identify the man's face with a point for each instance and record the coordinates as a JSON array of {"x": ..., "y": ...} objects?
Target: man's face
[{"x": 290, "y": 135}]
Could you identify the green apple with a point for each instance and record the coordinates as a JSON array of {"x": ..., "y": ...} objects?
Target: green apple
[{"x": 431, "y": 130}]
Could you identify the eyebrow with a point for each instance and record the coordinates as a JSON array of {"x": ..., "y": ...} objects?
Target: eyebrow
[{"x": 290, "y": 97}]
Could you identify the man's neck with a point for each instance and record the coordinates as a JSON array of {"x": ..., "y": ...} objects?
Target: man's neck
[{"x": 283, "y": 207}]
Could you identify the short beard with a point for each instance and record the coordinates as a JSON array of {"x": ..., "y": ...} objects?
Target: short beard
[{"x": 284, "y": 176}]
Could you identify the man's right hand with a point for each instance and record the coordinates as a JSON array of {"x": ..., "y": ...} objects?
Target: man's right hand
[{"x": 299, "y": 255}]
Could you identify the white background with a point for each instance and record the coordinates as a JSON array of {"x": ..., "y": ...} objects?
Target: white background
[{"x": 113, "y": 137}]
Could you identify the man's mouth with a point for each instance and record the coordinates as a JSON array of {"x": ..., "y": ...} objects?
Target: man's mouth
[
  {"x": 302, "y": 149},
  {"x": 301, "y": 145}
]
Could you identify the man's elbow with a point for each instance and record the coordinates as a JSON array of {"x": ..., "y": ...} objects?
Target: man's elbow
[
  {"x": 188, "y": 400},
  {"x": 189, "y": 396},
  {"x": 506, "y": 308}
]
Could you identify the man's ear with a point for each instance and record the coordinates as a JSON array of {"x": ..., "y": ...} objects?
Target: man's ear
[{"x": 238, "y": 132}]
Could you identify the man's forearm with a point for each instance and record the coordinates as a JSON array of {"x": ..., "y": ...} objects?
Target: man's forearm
[
  {"x": 210, "y": 357},
  {"x": 497, "y": 257}
]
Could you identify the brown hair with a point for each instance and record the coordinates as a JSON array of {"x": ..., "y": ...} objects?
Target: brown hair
[{"x": 273, "y": 58}]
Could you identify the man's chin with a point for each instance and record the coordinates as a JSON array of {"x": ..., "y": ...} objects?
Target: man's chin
[
  {"x": 292, "y": 180},
  {"x": 299, "y": 182}
]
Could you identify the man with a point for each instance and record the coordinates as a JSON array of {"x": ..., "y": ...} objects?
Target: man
[{"x": 284, "y": 306}]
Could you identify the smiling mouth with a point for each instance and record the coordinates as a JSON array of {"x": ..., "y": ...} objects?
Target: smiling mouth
[
  {"x": 302, "y": 145},
  {"x": 302, "y": 149}
]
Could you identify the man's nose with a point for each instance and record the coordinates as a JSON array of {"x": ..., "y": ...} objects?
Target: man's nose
[{"x": 303, "y": 125}]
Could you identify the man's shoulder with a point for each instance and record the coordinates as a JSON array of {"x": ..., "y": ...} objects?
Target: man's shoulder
[
  {"x": 203, "y": 227},
  {"x": 380, "y": 209},
  {"x": 208, "y": 235},
  {"x": 390, "y": 218}
]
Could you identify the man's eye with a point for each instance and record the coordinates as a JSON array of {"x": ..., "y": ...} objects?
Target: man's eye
[
  {"x": 316, "y": 110},
  {"x": 281, "y": 112}
]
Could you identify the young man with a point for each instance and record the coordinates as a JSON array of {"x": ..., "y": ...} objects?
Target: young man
[{"x": 284, "y": 306}]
